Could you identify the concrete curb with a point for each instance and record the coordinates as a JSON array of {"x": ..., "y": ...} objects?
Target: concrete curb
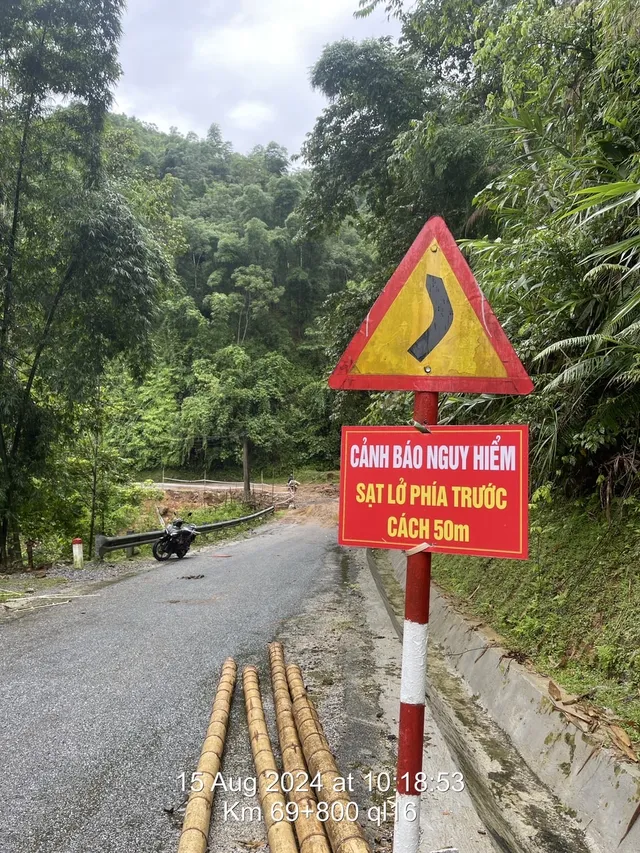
[{"x": 602, "y": 791}]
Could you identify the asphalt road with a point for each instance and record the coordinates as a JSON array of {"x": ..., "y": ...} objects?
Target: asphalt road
[{"x": 104, "y": 702}]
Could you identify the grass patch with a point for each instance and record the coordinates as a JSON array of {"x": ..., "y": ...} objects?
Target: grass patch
[
  {"x": 12, "y": 587},
  {"x": 573, "y": 607},
  {"x": 222, "y": 512},
  {"x": 148, "y": 519}
]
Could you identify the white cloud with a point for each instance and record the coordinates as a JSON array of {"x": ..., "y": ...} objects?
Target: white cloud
[
  {"x": 249, "y": 51},
  {"x": 249, "y": 115},
  {"x": 271, "y": 38},
  {"x": 241, "y": 63},
  {"x": 302, "y": 14}
]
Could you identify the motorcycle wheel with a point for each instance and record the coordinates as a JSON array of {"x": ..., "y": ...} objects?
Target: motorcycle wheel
[
  {"x": 160, "y": 552},
  {"x": 180, "y": 553}
]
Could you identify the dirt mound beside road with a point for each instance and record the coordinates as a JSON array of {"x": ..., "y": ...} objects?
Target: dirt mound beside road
[{"x": 315, "y": 503}]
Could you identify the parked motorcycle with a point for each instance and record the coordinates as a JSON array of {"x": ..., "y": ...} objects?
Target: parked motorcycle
[{"x": 176, "y": 539}]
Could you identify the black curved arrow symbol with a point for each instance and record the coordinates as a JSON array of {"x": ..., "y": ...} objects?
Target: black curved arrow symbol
[{"x": 442, "y": 319}]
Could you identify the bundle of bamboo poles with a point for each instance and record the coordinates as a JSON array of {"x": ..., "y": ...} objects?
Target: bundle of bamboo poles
[
  {"x": 279, "y": 831},
  {"x": 195, "y": 828},
  {"x": 306, "y": 756}
]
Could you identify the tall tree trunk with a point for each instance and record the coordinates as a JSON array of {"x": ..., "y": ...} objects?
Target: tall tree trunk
[
  {"x": 9, "y": 456},
  {"x": 94, "y": 488},
  {"x": 7, "y": 549},
  {"x": 246, "y": 470},
  {"x": 5, "y": 509},
  {"x": 4, "y": 535},
  {"x": 15, "y": 549},
  {"x": 103, "y": 522},
  {"x": 12, "y": 241},
  {"x": 35, "y": 364},
  {"x": 10, "y": 550},
  {"x": 15, "y": 218}
]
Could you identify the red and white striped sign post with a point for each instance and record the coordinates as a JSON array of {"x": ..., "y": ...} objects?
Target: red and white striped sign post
[{"x": 413, "y": 683}]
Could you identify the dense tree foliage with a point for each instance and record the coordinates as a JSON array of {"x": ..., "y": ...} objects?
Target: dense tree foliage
[
  {"x": 70, "y": 242},
  {"x": 231, "y": 358},
  {"x": 565, "y": 269},
  {"x": 155, "y": 289},
  {"x": 166, "y": 300},
  {"x": 525, "y": 137},
  {"x": 396, "y": 145}
]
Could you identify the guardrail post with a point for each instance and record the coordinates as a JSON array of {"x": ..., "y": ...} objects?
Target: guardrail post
[
  {"x": 99, "y": 544},
  {"x": 131, "y": 550}
]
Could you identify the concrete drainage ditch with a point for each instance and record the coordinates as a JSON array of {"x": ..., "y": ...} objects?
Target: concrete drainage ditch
[{"x": 537, "y": 781}]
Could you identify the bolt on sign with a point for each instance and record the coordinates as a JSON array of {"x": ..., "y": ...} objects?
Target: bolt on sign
[
  {"x": 461, "y": 490},
  {"x": 431, "y": 329}
]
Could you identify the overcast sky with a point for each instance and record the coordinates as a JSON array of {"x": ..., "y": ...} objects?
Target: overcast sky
[{"x": 244, "y": 64}]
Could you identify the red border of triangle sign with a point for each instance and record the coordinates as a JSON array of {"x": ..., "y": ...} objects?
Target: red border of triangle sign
[{"x": 516, "y": 381}]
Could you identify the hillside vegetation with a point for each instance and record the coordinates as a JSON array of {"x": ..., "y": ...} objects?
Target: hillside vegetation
[
  {"x": 167, "y": 301},
  {"x": 573, "y": 608}
]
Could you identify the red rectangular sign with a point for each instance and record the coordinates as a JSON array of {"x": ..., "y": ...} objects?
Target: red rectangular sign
[{"x": 461, "y": 489}]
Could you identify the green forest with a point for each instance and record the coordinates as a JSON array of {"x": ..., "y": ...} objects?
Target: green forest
[{"x": 165, "y": 300}]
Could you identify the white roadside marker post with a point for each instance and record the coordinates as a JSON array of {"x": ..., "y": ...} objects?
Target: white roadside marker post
[{"x": 78, "y": 554}]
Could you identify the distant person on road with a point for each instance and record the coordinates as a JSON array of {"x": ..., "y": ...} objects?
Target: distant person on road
[{"x": 292, "y": 485}]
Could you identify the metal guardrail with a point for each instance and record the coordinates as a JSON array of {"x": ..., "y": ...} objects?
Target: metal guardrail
[{"x": 105, "y": 544}]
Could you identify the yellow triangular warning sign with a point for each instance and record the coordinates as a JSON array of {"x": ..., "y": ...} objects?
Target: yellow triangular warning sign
[{"x": 432, "y": 329}]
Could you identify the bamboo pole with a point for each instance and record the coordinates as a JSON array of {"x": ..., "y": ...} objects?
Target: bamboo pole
[
  {"x": 279, "y": 832},
  {"x": 195, "y": 828},
  {"x": 310, "y": 831},
  {"x": 346, "y": 836}
]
